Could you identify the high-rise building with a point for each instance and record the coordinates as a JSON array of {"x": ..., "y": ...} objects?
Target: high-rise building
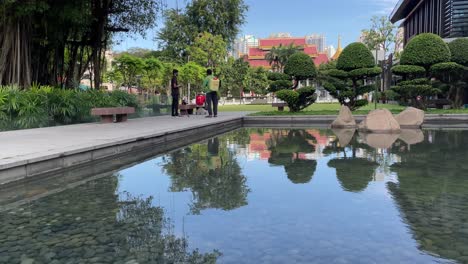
[
  {"x": 318, "y": 40},
  {"x": 330, "y": 51},
  {"x": 243, "y": 44},
  {"x": 446, "y": 18}
]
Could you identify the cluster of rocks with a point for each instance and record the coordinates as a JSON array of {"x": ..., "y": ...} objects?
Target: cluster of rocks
[{"x": 380, "y": 120}]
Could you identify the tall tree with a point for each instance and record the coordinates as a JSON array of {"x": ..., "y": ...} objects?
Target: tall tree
[
  {"x": 55, "y": 42},
  {"x": 208, "y": 50},
  {"x": 182, "y": 26}
]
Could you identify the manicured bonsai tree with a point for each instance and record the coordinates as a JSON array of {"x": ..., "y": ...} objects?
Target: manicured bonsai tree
[
  {"x": 457, "y": 75},
  {"x": 347, "y": 81},
  {"x": 301, "y": 67},
  {"x": 426, "y": 56}
]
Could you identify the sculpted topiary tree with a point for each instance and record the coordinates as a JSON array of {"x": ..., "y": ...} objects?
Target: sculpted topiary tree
[
  {"x": 459, "y": 74},
  {"x": 426, "y": 56},
  {"x": 301, "y": 67},
  {"x": 347, "y": 82}
]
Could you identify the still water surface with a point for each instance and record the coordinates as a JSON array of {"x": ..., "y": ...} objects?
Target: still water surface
[{"x": 262, "y": 196}]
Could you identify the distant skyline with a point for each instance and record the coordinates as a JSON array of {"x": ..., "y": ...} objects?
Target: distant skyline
[{"x": 297, "y": 17}]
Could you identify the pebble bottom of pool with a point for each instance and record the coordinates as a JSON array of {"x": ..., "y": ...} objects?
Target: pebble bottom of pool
[{"x": 260, "y": 196}]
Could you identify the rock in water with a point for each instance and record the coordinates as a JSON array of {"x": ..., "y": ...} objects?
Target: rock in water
[
  {"x": 345, "y": 119},
  {"x": 379, "y": 141},
  {"x": 380, "y": 121},
  {"x": 412, "y": 136},
  {"x": 410, "y": 118},
  {"x": 344, "y": 136}
]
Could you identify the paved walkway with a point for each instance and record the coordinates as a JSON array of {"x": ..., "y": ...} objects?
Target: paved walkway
[{"x": 23, "y": 145}]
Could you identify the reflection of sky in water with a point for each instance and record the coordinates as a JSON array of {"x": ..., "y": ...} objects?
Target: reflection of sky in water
[{"x": 286, "y": 222}]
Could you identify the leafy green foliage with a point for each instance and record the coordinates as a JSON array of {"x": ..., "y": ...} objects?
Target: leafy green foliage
[
  {"x": 45, "y": 106},
  {"x": 277, "y": 76},
  {"x": 235, "y": 77},
  {"x": 365, "y": 72},
  {"x": 208, "y": 50},
  {"x": 298, "y": 100},
  {"x": 300, "y": 66},
  {"x": 279, "y": 85},
  {"x": 425, "y": 50},
  {"x": 258, "y": 80},
  {"x": 279, "y": 56},
  {"x": 459, "y": 50},
  {"x": 355, "y": 56}
]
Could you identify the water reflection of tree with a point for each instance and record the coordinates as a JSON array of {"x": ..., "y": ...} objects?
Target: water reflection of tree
[
  {"x": 286, "y": 147},
  {"x": 211, "y": 172},
  {"x": 354, "y": 173},
  {"x": 89, "y": 223},
  {"x": 432, "y": 192}
]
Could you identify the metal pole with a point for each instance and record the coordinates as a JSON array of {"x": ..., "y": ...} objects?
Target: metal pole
[{"x": 376, "y": 78}]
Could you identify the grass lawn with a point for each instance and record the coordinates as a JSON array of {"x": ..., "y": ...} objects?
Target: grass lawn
[{"x": 323, "y": 109}]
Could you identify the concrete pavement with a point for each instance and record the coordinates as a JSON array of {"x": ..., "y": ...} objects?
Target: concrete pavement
[{"x": 34, "y": 151}]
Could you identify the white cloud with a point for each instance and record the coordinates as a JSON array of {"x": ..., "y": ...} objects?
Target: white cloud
[{"x": 382, "y": 7}]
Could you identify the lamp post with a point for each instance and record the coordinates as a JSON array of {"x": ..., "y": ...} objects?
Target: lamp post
[{"x": 376, "y": 78}]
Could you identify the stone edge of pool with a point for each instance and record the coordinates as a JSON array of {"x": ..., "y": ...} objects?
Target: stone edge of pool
[
  {"x": 27, "y": 169},
  {"x": 167, "y": 141}
]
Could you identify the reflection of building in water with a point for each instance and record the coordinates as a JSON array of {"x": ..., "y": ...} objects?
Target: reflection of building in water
[{"x": 258, "y": 149}]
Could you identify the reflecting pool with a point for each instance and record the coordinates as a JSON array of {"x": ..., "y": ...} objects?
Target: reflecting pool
[{"x": 258, "y": 196}]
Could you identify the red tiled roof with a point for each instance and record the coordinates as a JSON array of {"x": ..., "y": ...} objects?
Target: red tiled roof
[
  {"x": 256, "y": 52},
  {"x": 259, "y": 63},
  {"x": 282, "y": 41},
  {"x": 311, "y": 50},
  {"x": 320, "y": 59}
]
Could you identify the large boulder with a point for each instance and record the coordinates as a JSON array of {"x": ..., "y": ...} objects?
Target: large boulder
[
  {"x": 380, "y": 121},
  {"x": 345, "y": 119},
  {"x": 410, "y": 118}
]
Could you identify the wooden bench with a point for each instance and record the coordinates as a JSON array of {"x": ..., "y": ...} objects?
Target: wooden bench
[
  {"x": 107, "y": 114},
  {"x": 186, "y": 109},
  {"x": 280, "y": 106},
  {"x": 438, "y": 103}
]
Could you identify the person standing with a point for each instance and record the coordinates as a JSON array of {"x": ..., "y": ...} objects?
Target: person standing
[
  {"x": 175, "y": 93},
  {"x": 211, "y": 86}
]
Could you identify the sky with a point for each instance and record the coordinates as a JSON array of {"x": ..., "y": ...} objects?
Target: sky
[{"x": 298, "y": 17}]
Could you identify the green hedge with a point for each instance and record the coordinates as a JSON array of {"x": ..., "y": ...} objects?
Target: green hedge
[
  {"x": 459, "y": 50},
  {"x": 355, "y": 56},
  {"x": 301, "y": 66},
  {"x": 46, "y": 106},
  {"x": 425, "y": 50}
]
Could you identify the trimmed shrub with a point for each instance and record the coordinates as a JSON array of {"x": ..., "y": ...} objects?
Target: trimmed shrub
[
  {"x": 408, "y": 70},
  {"x": 277, "y": 76},
  {"x": 298, "y": 100},
  {"x": 365, "y": 72},
  {"x": 355, "y": 56},
  {"x": 301, "y": 66},
  {"x": 279, "y": 85},
  {"x": 425, "y": 50},
  {"x": 447, "y": 69},
  {"x": 459, "y": 51}
]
